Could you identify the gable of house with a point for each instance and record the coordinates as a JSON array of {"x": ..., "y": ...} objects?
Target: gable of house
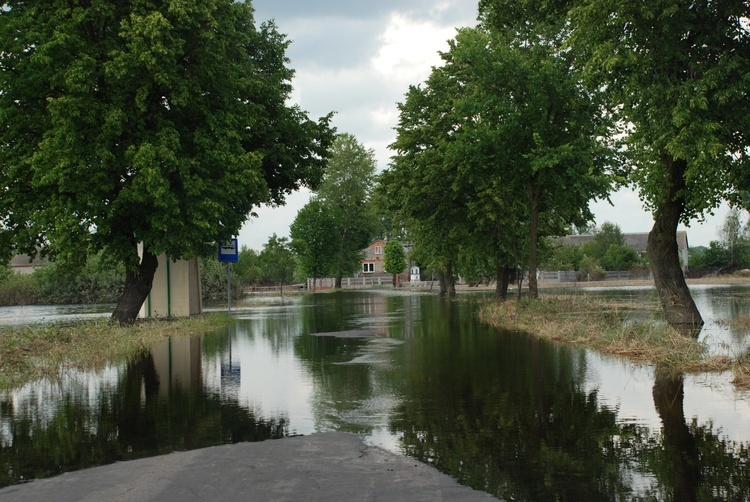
[{"x": 374, "y": 254}]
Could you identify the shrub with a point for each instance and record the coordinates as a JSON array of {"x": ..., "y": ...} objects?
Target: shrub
[
  {"x": 97, "y": 282},
  {"x": 18, "y": 289},
  {"x": 619, "y": 257},
  {"x": 214, "y": 280}
]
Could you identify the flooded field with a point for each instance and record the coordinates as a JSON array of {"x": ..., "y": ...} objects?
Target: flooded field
[{"x": 503, "y": 412}]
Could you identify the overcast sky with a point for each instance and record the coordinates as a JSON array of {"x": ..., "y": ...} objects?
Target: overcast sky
[{"x": 357, "y": 59}]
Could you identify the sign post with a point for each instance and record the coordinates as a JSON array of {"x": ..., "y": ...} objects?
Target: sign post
[{"x": 229, "y": 253}]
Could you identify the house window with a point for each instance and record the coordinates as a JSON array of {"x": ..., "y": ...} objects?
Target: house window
[
  {"x": 368, "y": 267},
  {"x": 378, "y": 249}
]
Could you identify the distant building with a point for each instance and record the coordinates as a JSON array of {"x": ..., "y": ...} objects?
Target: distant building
[
  {"x": 373, "y": 262},
  {"x": 374, "y": 254},
  {"x": 638, "y": 242},
  {"x": 23, "y": 264}
]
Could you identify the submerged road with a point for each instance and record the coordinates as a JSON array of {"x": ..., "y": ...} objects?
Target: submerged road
[{"x": 325, "y": 466}]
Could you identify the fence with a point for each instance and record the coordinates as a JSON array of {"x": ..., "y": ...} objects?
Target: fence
[
  {"x": 612, "y": 275},
  {"x": 364, "y": 282}
]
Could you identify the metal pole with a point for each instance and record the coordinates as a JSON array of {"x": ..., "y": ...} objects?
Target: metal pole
[{"x": 229, "y": 288}]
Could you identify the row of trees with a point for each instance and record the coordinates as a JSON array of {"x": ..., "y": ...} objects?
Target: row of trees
[
  {"x": 166, "y": 124},
  {"x": 547, "y": 105},
  {"x": 730, "y": 252},
  {"x": 498, "y": 149}
]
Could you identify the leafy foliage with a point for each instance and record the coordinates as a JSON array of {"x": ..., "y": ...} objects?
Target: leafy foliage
[
  {"x": 395, "y": 259},
  {"x": 214, "y": 279},
  {"x": 606, "y": 251},
  {"x": 500, "y": 145},
  {"x": 675, "y": 76},
  {"x": 314, "y": 236},
  {"x": 277, "y": 262},
  {"x": 164, "y": 123},
  {"x": 248, "y": 267},
  {"x": 731, "y": 252},
  {"x": 18, "y": 289},
  {"x": 97, "y": 281},
  {"x": 619, "y": 257},
  {"x": 345, "y": 191}
]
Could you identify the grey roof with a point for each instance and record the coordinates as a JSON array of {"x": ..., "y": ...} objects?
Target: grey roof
[
  {"x": 638, "y": 241},
  {"x": 23, "y": 261}
]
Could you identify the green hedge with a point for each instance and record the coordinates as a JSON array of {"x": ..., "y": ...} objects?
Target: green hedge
[{"x": 58, "y": 284}]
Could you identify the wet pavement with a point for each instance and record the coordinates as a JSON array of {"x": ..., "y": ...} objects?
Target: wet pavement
[{"x": 325, "y": 466}]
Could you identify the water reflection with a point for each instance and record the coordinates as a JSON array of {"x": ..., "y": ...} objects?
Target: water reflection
[
  {"x": 507, "y": 413},
  {"x": 32, "y": 314}
]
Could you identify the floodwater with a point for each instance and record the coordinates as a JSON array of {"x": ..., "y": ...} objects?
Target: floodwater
[{"x": 503, "y": 412}]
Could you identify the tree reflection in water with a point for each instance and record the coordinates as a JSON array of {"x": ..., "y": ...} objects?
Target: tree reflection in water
[
  {"x": 143, "y": 415},
  {"x": 504, "y": 412},
  {"x": 507, "y": 414}
]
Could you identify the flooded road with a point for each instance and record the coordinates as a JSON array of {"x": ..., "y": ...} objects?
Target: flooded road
[{"x": 503, "y": 412}]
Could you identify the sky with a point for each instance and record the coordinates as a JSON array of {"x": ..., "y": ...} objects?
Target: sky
[{"x": 357, "y": 59}]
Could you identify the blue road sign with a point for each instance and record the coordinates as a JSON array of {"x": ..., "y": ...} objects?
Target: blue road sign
[{"x": 228, "y": 251}]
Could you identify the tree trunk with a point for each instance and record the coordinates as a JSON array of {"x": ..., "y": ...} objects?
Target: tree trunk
[
  {"x": 678, "y": 449},
  {"x": 137, "y": 287},
  {"x": 447, "y": 283},
  {"x": 676, "y": 302},
  {"x": 450, "y": 281},
  {"x": 533, "y": 239},
  {"x": 441, "y": 282},
  {"x": 503, "y": 277},
  {"x": 338, "y": 282},
  {"x": 519, "y": 282}
]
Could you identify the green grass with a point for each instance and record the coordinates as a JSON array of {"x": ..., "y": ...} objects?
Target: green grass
[
  {"x": 624, "y": 329},
  {"x": 45, "y": 350}
]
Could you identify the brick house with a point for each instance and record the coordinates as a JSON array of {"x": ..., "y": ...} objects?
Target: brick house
[
  {"x": 373, "y": 262},
  {"x": 374, "y": 254}
]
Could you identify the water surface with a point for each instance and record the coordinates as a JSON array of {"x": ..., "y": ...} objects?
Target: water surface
[{"x": 504, "y": 412}]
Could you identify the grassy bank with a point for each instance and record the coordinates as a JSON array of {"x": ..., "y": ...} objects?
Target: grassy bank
[
  {"x": 45, "y": 350},
  {"x": 618, "y": 328}
]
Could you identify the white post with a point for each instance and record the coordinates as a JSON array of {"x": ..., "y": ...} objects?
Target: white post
[{"x": 229, "y": 289}]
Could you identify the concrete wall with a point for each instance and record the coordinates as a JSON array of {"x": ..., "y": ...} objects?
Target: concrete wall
[{"x": 176, "y": 291}]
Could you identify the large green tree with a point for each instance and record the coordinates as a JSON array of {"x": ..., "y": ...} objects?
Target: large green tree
[
  {"x": 417, "y": 187},
  {"x": 345, "y": 190},
  {"x": 676, "y": 73},
  {"x": 502, "y": 137},
  {"x": 277, "y": 261},
  {"x": 531, "y": 137},
  {"x": 158, "y": 122},
  {"x": 314, "y": 236}
]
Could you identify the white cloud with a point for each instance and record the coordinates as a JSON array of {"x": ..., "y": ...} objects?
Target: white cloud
[
  {"x": 410, "y": 48},
  {"x": 359, "y": 59}
]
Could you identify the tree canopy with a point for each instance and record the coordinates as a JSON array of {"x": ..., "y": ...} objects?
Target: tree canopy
[
  {"x": 394, "y": 262},
  {"x": 277, "y": 261},
  {"x": 314, "y": 237},
  {"x": 163, "y": 123},
  {"x": 675, "y": 75},
  {"x": 500, "y": 145},
  {"x": 345, "y": 190}
]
